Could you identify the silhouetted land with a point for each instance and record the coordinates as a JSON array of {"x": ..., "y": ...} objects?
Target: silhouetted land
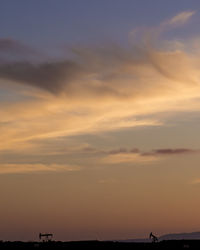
[{"x": 93, "y": 245}]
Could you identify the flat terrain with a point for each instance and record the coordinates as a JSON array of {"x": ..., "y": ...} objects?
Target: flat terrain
[{"x": 171, "y": 244}]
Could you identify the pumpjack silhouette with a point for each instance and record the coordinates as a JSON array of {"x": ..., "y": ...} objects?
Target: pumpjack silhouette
[
  {"x": 153, "y": 237},
  {"x": 45, "y": 237}
]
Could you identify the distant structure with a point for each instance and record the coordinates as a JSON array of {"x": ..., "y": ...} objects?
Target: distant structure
[
  {"x": 45, "y": 237},
  {"x": 153, "y": 237}
]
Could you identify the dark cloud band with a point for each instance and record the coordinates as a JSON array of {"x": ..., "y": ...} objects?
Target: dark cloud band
[{"x": 53, "y": 76}]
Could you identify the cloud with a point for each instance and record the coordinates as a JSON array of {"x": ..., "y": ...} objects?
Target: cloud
[
  {"x": 164, "y": 151},
  {"x": 118, "y": 151},
  {"x": 180, "y": 19},
  {"x": 125, "y": 155},
  {"x": 53, "y": 76},
  {"x": 23, "y": 123},
  {"x": 147, "y": 36},
  {"x": 99, "y": 89},
  {"x": 60, "y": 153},
  {"x": 116, "y": 73},
  {"x": 195, "y": 182},
  {"x": 14, "y": 50},
  {"x": 31, "y": 168},
  {"x": 109, "y": 71},
  {"x": 169, "y": 151},
  {"x": 127, "y": 158}
]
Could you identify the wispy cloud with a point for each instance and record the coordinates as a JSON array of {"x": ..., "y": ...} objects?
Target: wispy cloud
[
  {"x": 170, "y": 151},
  {"x": 99, "y": 89},
  {"x": 179, "y": 19},
  {"x": 195, "y": 181},
  {"x": 124, "y": 155},
  {"x": 127, "y": 158},
  {"x": 14, "y": 50},
  {"x": 53, "y": 77},
  {"x": 34, "y": 168}
]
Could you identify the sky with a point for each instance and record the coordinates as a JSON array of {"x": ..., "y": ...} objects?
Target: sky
[{"x": 99, "y": 118}]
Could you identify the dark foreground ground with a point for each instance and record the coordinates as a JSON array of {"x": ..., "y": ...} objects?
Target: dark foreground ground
[{"x": 93, "y": 245}]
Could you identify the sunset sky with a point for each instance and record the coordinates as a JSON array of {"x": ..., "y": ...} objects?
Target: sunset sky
[{"x": 99, "y": 118}]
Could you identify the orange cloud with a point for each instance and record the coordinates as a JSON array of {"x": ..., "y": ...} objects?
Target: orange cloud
[
  {"x": 105, "y": 89},
  {"x": 127, "y": 158},
  {"x": 124, "y": 155},
  {"x": 34, "y": 168}
]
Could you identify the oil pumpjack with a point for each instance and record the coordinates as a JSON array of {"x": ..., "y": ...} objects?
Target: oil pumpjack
[
  {"x": 153, "y": 237},
  {"x": 45, "y": 237}
]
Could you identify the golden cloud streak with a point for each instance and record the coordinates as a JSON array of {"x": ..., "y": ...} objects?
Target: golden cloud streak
[
  {"x": 31, "y": 168},
  {"x": 128, "y": 158},
  {"x": 113, "y": 88}
]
